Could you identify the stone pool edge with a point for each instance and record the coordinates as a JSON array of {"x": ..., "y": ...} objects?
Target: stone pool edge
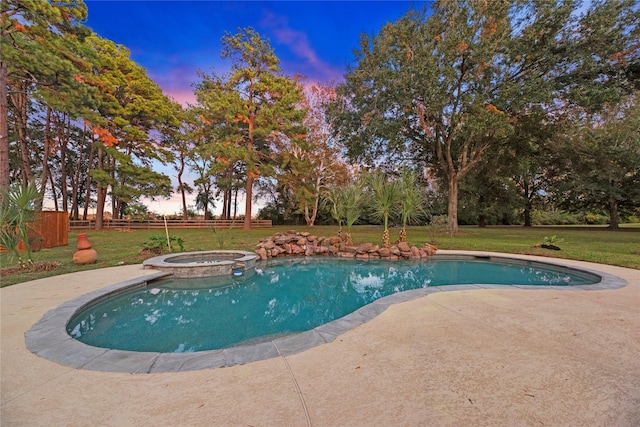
[{"x": 49, "y": 339}]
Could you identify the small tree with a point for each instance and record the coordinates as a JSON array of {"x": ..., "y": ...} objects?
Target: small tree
[
  {"x": 334, "y": 197},
  {"x": 346, "y": 206},
  {"x": 353, "y": 199},
  {"x": 412, "y": 201},
  {"x": 385, "y": 195}
]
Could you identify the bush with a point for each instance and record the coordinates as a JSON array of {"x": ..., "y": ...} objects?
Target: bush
[{"x": 157, "y": 244}]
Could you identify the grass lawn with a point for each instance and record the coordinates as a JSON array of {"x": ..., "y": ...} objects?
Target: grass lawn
[{"x": 594, "y": 244}]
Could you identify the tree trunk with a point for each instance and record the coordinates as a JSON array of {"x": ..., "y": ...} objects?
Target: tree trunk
[
  {"x": 75, "y": 189},
  {"x": 20, "y": 101},
  {"x": 114, "y": 199},
  {"x": 53, "y": 193},
  {"x": 311, "y": 220},
  {"x": 247, "y": 208},
  {"x": 225, "y": 197},
  {"x": 527, "y": 214},
  {"x": 182, "y": 191},
  {"x": 45, "y": 163},
  {"x": 4, "y": 129},
  {"x": 66, "y": 131},
  {"x": 235, "y": 205},
  {"x": 249, "y": 190},
  {"x": 614, "y": 220},
  {"x": 528, "y": 206},
  {"x": 87, "y": 199},
  {"x": 452, "y": 207},
  {"x": 101, "y": 196}
]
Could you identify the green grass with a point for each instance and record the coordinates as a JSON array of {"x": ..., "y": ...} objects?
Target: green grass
[{"x": 594, "y": 244}]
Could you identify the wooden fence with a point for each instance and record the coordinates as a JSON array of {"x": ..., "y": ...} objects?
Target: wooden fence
[
  {"x": 52, "y": 228},
  {"x": 152, "y": 224},
  {"x": 49, "y": 230}
]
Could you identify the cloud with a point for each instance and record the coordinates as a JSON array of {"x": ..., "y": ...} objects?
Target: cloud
[{"x": 298, "y": 43}]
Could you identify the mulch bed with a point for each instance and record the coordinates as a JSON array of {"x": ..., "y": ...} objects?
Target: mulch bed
[{"x": 36, "y": 267}]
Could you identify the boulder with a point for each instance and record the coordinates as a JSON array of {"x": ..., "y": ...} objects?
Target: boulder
[
  {"x": 384, "y": 252},
  {"x": 269, "y": 244},
  {"x": 262, "y": 253},
  {"x": 364, "y": 248},
  {"x": 415, "y": 252},
  {"x": 404, "y": 247},
  {"x": 374, "y": 249}
]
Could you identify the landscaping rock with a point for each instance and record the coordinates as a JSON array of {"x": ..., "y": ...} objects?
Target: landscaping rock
[
  {"x": 294, "y": 243},
  {"x": 384, "y": 252}
]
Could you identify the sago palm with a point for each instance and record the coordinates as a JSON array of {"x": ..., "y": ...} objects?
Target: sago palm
[
  {"x": 385, "y": 197},
  {"x": 16, "y": 212},
  {"x": 412, "y": 201},
  {"x": 335, "y": 197},
  {"x": 353, "y": 198}
]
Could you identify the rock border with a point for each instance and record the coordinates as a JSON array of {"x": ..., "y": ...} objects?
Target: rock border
[{"x": 294, "y": 243}]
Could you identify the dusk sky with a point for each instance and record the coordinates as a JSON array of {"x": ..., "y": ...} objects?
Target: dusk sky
[{"x": 174, "y": 38}]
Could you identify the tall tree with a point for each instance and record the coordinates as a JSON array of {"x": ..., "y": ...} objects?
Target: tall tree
[
  {"x": 131, "y": 107},
  {"x": 602, "y": 164},
  {"x": 34, "y": 53},
  {"x": 449, "y": 84},
  {"x": 251, "y": 103}
]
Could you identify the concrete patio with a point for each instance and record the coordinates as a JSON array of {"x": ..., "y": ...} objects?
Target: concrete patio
[{"x": 466, "y": 357}]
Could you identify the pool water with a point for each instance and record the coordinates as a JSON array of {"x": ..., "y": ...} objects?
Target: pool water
[{"x": 280, "y": 298}]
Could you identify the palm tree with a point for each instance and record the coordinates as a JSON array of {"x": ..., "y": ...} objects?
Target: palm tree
[
  {"x": 16, "y": 212},
  {"x": 412, "y": 201},
  {"x": 353, "y": 198},
  {"x": 385, "y": 196},
  {"x": 334, "y": 196}
]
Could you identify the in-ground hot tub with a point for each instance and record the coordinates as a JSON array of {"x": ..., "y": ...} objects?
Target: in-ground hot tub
[{"x": 204, "y": 263}]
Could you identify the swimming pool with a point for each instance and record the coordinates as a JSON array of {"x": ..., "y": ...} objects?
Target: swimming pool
[{"x": 281, "y": 298}]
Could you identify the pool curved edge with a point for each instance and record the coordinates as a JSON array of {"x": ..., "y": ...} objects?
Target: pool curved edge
[{"x": 49, "y": 339}]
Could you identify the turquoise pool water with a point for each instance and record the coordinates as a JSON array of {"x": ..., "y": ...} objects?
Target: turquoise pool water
[{"x": 283, "y": 297}]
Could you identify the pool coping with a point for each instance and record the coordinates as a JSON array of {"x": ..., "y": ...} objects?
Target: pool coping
[{"x": 49, "y": 339}]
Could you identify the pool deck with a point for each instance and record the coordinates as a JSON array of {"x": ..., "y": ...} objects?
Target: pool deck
[{"x": 507, "y": 357}]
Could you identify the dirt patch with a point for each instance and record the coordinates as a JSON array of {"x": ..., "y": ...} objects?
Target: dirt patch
[{"x": 33, "y": 268}]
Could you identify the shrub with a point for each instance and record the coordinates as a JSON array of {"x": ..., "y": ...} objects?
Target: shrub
[{"x": 157, "y": 244}]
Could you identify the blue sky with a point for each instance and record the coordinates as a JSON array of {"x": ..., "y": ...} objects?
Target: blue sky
[{"x": 174, "y": 38}]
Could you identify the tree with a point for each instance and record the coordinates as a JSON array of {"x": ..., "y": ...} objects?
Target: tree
[
  {"x": 307, "y": 165},
  {"x": 353, "y": 198},
  {"x": 447, "y": 86},
  {"x": 603, "y": 164},
  {"x": 178, "y": 136},
  {"x": 251, "y": 103},
  {"x": 17, "y": 210},
  {"x": 130, "y": 108},
  {"x": 412, "y": 200},
  {"x": 37, "y": 51},
  {"x": 385, "y": 194}
]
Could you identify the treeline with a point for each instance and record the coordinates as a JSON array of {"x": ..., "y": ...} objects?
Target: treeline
[{"x": 496, "y": 108}]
